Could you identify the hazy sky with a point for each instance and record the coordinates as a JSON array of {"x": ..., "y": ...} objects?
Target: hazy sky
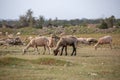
[{"x": 63, "y": 9}]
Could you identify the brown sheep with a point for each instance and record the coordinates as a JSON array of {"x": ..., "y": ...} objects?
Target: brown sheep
[
  {"x": 64, "y": 42},
  {"x": 104, "y": 40},
  {"x": 38, "y": 41}
]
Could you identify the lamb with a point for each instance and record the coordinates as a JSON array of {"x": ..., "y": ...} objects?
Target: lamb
[
  {"x": 64, "y": 42},
  {"x": 104, "y": 40},
  {"x": 38, "y": 41}
]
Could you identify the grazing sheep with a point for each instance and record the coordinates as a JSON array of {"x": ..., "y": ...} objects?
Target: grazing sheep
[
  {"x": 104, "y": 40},
  {"x": 11, "y": 41},
  {"x": 52, "y": 41},
  {"x": 82, "y": 40},
  {"x": 87, "y": 40},
  {"x": 38, "y": 41},
  {"x": 64, "y": 42},
  {"x": 91, "y": 40},
  {"x": 14, "y": 41}
]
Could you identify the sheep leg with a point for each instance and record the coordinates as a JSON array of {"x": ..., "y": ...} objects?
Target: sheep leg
[
  {"x": 74, "y": 50},
  {"x": 62, "y": 51},
  {"x": 35, "y": 47},
  {"x": 110, "y": 45},
  {"x": 66, "y": 50},
  {"x": 44, "y": 50},
  {"x": 49, "y": 49},
  {"x": 37, "y": 50}
]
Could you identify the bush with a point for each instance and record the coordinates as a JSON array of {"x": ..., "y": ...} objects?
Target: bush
[{"x": 103, "y": 25}]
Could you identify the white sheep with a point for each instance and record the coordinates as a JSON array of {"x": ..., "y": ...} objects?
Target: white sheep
[
  {"x": 18, "y": 33},
  {"x": 82, "y": 40},
  {"x": 91, "y": 40},
  {"x": 104, "y": 40},
  {"x": 38, "y": 41},
  {"x": 87, "y": 40},
  {"x": 64, "y": 42}
]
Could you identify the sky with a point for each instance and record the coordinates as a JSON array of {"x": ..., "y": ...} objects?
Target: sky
[{"x": 62, "y": 9}]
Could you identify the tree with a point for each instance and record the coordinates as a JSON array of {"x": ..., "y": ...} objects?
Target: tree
[
  {"x": 23, "y": 21},
  {"x": 49, "y": 23},
  {"x": 110, "y": 21},
  {"x": 103, "y": 25},
  {"x": 4, "y": 23},
  {"x": 41, "y": 22},
  {"x": 29, "y": 17}
]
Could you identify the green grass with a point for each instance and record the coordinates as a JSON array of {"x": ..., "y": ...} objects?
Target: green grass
[
  {"x": 103, "y": 64},
  {"x": 89, "y": 64}
]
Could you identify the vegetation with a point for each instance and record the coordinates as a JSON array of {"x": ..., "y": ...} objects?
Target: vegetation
[
  {"x": 88, "y": 64},
  {"x": 28, "y": 20}
]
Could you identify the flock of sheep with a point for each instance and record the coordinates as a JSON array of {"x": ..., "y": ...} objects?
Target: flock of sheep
[{"x": 57, "y": 42}]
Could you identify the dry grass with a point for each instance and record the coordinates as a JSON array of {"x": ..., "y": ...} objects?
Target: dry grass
[
  {"x": 103, "y": 64},
  {"x": 89, "y": 64}
]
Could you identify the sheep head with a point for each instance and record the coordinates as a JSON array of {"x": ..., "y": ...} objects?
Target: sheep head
[{"x": 55, "y": 52}]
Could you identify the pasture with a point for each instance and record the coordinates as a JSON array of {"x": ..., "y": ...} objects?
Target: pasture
[{"x": 88, "y": 64}]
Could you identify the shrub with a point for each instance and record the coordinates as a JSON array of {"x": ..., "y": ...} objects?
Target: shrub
[{"x": 103, "y": 25}]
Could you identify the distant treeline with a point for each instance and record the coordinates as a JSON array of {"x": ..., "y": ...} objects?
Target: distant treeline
[{"x": 28, "y": 20}]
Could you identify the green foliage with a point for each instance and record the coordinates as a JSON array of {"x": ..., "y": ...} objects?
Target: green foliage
[
  {"x": 103, "y": 25},
  {"x": 9, "y": 30},
  {"x": 51, "y": 61},
  {"x": 8, "y": 61},
  {"x": 41, "y": 22}
]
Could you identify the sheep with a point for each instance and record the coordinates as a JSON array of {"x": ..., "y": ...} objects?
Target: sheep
[
  {"x": 11, "y": 41},
  {"x": 38, "y": 41},
  {"x": 104, "y": 40},
  {"x": 27, "y": 39},
  {"x": 52, "y": 41},
  {"x": 87, "y": 40},
  {"x": 18, "y": 33},
  {"x": 91, "y": 40},
  {"x": 82, "y": 40},
  {"x": 14, "y": 41},
  {"x": 64, "y": 42}
]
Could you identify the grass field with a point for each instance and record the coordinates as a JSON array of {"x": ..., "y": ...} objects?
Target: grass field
[
  {"x": 103, "y": 64},
  {"x": 89, "y": 64}
]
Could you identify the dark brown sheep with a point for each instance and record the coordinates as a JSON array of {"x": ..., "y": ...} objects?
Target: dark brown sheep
[{"x": 64, "y": 42}]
